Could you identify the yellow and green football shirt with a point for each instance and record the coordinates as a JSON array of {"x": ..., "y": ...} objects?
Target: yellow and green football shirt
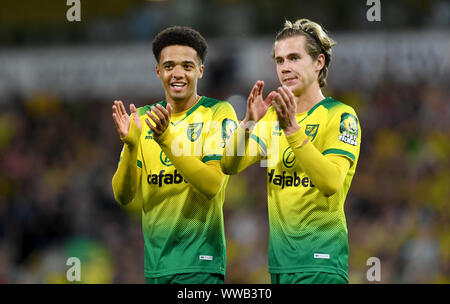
[
  {"x": 183, "y": 231},
  {"x": 308, "y": 230}
]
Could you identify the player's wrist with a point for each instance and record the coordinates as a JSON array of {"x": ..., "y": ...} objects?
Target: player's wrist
[
  {"x": 132, "y": 138},
  {"x": 297, "y": 139},
  {"x": 162, "y": 139},
  {"x": 291, "y": 129}
]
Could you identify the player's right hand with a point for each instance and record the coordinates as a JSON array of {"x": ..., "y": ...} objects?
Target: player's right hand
[
  {"x": 122, "y": 119},
  {"x": 256, "y": 105}
]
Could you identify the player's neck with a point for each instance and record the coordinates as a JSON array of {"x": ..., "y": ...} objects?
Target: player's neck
[
  {"x": 182, "y": 105},
  {"x": 309, "y": 98}
]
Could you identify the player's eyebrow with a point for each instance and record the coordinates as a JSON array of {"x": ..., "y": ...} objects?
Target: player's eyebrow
[
  {"x": 290, "y": 55},
  {"x": 182, "y": 62}
]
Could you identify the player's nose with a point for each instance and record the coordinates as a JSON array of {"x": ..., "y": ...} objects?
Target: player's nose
[
  {"x": 285, "y": 68},
  {"x": 178, "y": 72}
]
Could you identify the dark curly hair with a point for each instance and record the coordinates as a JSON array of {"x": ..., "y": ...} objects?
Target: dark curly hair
[{"x": 180, "y": 35}]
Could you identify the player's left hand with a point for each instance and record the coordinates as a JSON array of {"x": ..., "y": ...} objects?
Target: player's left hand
[
  {"x": 286, "y": 108},
  {"x": 161, "y": 120}
]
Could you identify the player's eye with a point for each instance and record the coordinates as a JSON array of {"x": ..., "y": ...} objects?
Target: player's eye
[
  {"x": 188, "y": 66},
  {"x": 278, "y": 61},
  {"x": 168, "y": 66}
]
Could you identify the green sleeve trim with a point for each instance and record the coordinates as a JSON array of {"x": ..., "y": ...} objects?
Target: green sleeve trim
[
  {"x": 211, "y": 157},
  {"x": 340, "y": 152},
  {"x": 138, "y": 162},
  {"x": 260, "y": 142}
]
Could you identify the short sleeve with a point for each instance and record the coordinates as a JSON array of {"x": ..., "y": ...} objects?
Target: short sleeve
[
  {"x": 343, "y": 134},
  {"x": 220, "y": 129}
]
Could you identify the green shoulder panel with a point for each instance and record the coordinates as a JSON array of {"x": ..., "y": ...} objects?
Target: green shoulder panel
[
  {"x": 144, "y": 109},
  {"x": 328, "y": 103},
  {"x": 346, "y": 115},
  {"x": 206, "y": 102},
  {"x": 214, "y": 105},
  {"x": 209, "y": 102},
  {"x": 332, "y": 106}
]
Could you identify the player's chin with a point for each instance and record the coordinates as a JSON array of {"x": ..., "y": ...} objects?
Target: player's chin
[
  {"x": 293, "y": 87},
  {"x": 179, "y": 96},
  {"x": 297, "y": 89}
]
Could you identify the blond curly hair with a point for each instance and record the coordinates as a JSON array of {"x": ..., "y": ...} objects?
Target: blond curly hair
[{"x": 317, "y": 42}]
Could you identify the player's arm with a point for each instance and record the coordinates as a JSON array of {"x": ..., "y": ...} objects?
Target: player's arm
[
  {"x": 206, "y": 178},
  {"x": 240, "y": 152},
  {"x": 237, "y": 154},
  {"x": 327, "y": 172},
  {"x": 126, "y": 178}
]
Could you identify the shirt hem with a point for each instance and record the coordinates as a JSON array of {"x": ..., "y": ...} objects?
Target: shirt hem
[
  {"x": 294, "y": 269},
  {"x": 155, "y": 274}
]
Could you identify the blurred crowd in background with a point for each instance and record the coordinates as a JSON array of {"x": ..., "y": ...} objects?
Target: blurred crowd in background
[{"x": 58, "y": 156}]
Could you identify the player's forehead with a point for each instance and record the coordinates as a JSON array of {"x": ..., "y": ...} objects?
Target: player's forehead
[
  {"x": 178, "y": 54},
  {"x": 290, "y": 45}
]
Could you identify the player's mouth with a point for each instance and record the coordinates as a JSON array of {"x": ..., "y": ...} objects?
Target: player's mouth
[
  {"x": 289, "y": 80},
  {"x": 178, "y": 86}
]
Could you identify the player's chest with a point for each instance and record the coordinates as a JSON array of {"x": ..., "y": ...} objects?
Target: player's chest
[
  {"x": 185, "y": 138},
  {"x": 281, "y": 154},
  {"x": 313, "y": 126}
]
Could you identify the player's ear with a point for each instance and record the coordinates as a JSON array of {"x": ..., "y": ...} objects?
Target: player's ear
[
  {"x": 201, "y": 69},
  {"x": 320, "y": 62},
  {"x": 157, "y": 70}
]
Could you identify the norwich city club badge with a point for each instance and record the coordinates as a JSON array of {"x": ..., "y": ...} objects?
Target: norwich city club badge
[
  {"x": 194, "y": 130},
  {"x": 311, "y": 131}
]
